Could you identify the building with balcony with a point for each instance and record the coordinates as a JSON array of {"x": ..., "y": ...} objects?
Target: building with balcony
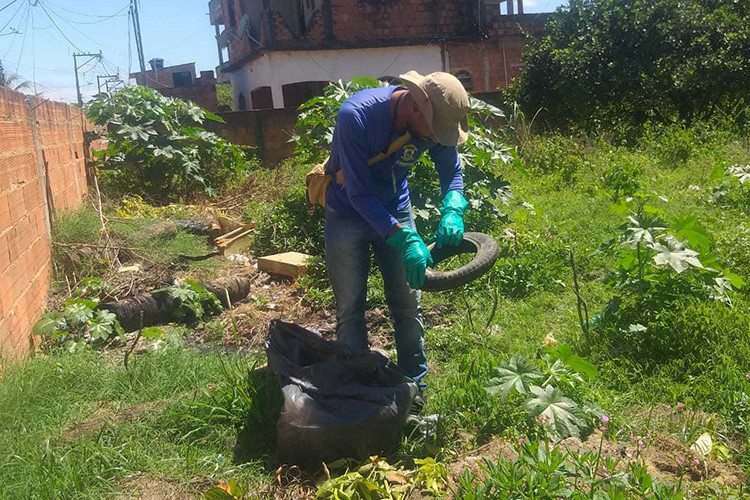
[{"x": 279, "y": 53}]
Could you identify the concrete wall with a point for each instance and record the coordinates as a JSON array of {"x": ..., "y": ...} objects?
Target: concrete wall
[
  {"x": 268, "y": 130},
  {"x": 42, "y": 172},
  {"x": 278, "y": 68}
]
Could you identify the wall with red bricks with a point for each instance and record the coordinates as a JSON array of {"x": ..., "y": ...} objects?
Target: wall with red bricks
[
  {"x": 367, "y": 20},
  {"x": 268, "y": 130},
  {"x": 42, "y": 172},
  {"x": 202, "y": 95}
]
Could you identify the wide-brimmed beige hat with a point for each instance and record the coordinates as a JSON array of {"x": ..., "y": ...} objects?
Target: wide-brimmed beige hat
[{"x": 444, "y": 103}]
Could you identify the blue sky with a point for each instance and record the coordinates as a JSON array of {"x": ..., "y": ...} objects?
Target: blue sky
[{"x": 176, "y": 30}]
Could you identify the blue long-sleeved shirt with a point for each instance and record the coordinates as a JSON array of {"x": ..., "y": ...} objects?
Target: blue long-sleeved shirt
[{"x": 365, "y": 128}]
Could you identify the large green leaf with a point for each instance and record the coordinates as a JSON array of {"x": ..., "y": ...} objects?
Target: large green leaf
[
  {"x": 78, "y": 313},
  {"x": 518, "y": 373},
  {"x": 687, "y": 228},
  {"x": 675, "y": 255},
  {"x": 565, "y": 354},
  {"x": 643, "y": 228},
  {"x": 561, "y": 416},
  {"x": 740, "y": 173},
  {"x": 49, "y": 323}
]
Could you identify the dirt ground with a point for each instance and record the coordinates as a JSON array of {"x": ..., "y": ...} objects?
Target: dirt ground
[
  {"x": 145, "y": 487},
  {"x": 666, "y": 458}
]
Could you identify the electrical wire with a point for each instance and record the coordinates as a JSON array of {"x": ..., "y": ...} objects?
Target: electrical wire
[
  {"x": 33, "y": 52},
  {"x": 23, "y": 41},
  {"x": 13, "y": 16},
  {"x": 8, "y": 5},
  {"x": 39, "y": 3},
  {"x": 68, "y": 22},
  {"x": 51, "y": 70},
  {"x": 105, "y": 17},
  {"x": 25, "y": 17}
]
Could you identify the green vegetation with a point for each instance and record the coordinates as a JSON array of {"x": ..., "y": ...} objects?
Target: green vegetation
[
  {"x": 79, "y": 426},
  {"x": 612, "y": 65},
  {"x": 150, "y": 236},
  {"x": 509, "y": 359},
  {"x": 156, "y": 146},
  {"x": 606, "y": 355},
  {"x": 224, "y": 96}
]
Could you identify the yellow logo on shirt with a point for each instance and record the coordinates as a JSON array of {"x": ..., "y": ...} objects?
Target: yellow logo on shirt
[{"x": 409, "y": 153}]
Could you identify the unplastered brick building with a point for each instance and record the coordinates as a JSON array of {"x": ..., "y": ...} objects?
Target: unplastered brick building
[{"x": 282, "y": 52}]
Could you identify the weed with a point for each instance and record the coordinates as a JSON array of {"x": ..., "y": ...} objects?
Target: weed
[
  {"x": 157, "y": 147},
  {"x": 543, "y": 472},
  {"x": 80, "y": 323},
  {"x": 557, "y": 156}
]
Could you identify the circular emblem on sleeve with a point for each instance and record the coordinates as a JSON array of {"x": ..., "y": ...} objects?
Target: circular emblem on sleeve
[{"x": 409, "y": 153}]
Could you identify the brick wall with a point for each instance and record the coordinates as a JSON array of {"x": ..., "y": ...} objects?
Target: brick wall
[
  {"x": 268, "y": 130},
  {"x": 42, "y": 171},
  {"x": 362, "y": 20},
  {"x": 202, "y": 95}
]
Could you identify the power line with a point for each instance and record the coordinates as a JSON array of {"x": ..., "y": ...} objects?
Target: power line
[
  {"x": 68, "y": 22},
  {"x": 33, "y": 52},
  {"x": 23, "y": 42},
  {"x": 12, "y": 17},
  {"x": 8, "y": 5},
  {"x": 57, "y": 27},
  {"x": 105, "y": 18},
  {"x": 91, "y": 15},
  {"x": 13, "y": 42}
]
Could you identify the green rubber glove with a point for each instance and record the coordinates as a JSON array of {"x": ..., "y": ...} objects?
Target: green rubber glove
[
  {"x": 414, "y": 253},
  {"x": 450, "y": 232}
]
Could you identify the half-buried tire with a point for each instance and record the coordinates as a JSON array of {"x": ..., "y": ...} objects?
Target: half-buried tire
[{"x": 486, "y": 250}]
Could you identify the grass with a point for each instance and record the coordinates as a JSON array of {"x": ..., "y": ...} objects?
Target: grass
[
  {"x": 150, "y": 238},
  {"x": 176, "y": 438},
  {"x": 207, "y": 402}
]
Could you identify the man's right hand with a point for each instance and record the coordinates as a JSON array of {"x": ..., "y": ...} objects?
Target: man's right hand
[{"x": 414, "y": 253}]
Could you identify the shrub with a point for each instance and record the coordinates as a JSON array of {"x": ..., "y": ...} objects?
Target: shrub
[
  {"x": 481, "y": 156},
  {"x": 555, "y": 155},
  {"x": 617, "y": 62},
  {"x": 157, "y": 148},
  {"x": 666, "y": 270}
]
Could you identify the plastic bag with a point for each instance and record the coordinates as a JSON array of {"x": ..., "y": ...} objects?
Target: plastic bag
[{"x": 337, "y": 403}]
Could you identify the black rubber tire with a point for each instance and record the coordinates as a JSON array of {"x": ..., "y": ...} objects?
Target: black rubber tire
[{"x": 482, "y": 244}]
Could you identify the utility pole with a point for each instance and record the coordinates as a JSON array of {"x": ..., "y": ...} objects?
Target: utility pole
[
  {"x": 138, "y": 37},
  {"x": 107, "y": 80},
  {"x": 115, "y": 85},
  {"x": 77, "y": 67}
]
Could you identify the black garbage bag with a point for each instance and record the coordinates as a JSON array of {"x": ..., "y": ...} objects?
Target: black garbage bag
[{"x": 337, "y": 403}]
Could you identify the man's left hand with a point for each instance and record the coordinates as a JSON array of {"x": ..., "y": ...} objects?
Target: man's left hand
[{"x": 450, "y": 232}]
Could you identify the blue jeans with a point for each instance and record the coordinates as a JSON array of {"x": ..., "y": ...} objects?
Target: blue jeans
[{"x": 348, "y": 242}]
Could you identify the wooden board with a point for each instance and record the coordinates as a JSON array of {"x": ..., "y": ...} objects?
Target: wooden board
[
  {"x": 292, "y": 264},
  {"x": 235, "y": 242}
]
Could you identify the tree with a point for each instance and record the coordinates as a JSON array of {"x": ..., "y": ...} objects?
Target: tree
[
  {"x": 12, "y": 80},
  {"x": 605, "y": 61}
]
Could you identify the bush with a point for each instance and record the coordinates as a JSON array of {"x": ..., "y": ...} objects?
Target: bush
[
  {"x": 667, "y": 286},
  {"x": 618, "y": 63},
  {"x": 555, "y": 155},
  {"x": 157, "y": 148},
  {"x": 481, "y": 156}
]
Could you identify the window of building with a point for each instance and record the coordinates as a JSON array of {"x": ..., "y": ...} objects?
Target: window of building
[
  {"x": 241, "y": 104},
  {"x": 297, "y": 93},
  {"x": 465, "y": 78},
  {"x": 262, "y": 98},
  {"x": 182, "y": 79}
]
